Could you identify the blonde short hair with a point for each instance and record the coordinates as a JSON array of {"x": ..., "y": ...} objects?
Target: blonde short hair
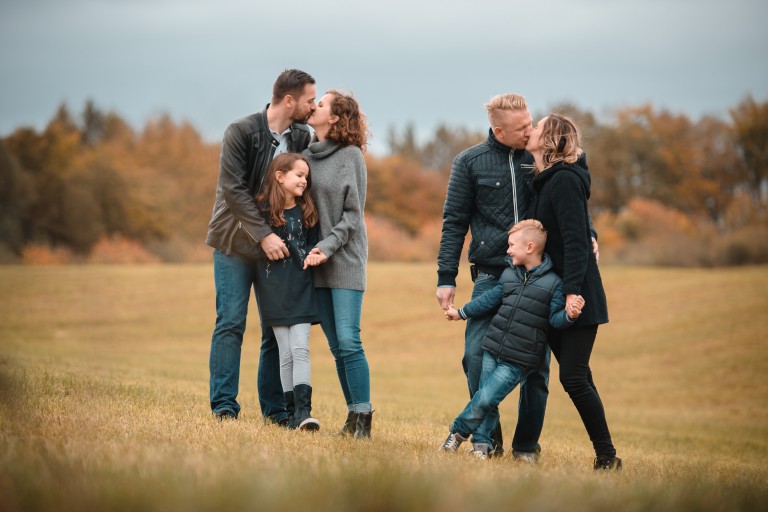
[
  {"x": 534, "y": 231},
  {"x": 501, "y": 102}
]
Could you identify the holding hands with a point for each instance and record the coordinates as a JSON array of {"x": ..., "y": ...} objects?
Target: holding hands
[
  {"x": 314, "y": 258},
  {"x": 451, "y": 313},
  {"x": 573, "y": 305}
]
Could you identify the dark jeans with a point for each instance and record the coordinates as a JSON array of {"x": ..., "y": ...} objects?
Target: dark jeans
[
  {"x": 533, "y": 392},
  {"x": 234, "y": 278},
  {"x": 572, "y": 348}
]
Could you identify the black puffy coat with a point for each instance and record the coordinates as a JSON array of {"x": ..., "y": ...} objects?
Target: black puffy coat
[{"x": 531, "y": 301}]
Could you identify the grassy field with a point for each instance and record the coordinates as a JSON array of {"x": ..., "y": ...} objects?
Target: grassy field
[{"x": 104, "y": 401}]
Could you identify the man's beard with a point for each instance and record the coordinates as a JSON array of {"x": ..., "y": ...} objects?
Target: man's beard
[{"x": 302, "y": 120}]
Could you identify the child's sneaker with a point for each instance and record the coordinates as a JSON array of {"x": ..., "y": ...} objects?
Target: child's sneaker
[
  {"x": 452, "y": 442},
  {"x": 607, "y": 464},
  {"x": 481, "y": 451}
]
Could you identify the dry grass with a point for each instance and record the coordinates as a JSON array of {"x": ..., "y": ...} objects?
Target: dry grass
[{"x": 103, "y": 401}]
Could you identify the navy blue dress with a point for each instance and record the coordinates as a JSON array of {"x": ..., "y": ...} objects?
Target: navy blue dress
[{"x": 285, "y": 290}]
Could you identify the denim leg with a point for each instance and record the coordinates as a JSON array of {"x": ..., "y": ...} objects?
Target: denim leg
[
  {"x": 346, "y": 345},
  {"x": 534, "y": 392},
  {"x": 328, "y": 323},
  {"x": 483, "y": 409},
  {"x": 233, "y": 278},
  {"x": 472, "y": 361}
]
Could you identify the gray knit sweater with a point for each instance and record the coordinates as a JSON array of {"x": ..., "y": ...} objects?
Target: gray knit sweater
[{"x": 339, "y": 179}]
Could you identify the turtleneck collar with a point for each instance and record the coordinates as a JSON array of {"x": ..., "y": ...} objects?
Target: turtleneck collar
[{"x": 323, "y": 149}]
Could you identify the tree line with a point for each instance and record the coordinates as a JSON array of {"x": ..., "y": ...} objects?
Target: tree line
[{"x": 89, "y": 187}]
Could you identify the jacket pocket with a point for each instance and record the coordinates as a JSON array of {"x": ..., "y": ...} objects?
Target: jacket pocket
[{"x": 492, "y": 191}]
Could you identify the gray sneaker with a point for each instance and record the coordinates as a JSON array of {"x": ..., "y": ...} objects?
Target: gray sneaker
[
  {"x": 452, "y": 442},
  {"x": 481, "y": 451},
  {"x": 527, "y": 457}
]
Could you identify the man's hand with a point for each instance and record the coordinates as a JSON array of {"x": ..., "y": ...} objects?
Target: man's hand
[
  {"x": 274, "y": 247},
  {"x": 596, "y": 249},
  {"x": 445, "y": 296},
  {"x": 314, "y": 258}
]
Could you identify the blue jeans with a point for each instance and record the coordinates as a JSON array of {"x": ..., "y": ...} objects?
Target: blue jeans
[
  {"x": 340, "y": 312},
  {"x": 234, "y": 278},
  {"x": 533, "y": 392},
  {"x": 481, "y": 415}
]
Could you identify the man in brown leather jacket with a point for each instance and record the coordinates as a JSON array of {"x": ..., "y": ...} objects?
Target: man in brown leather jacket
[{"x": 237, "y": 232}]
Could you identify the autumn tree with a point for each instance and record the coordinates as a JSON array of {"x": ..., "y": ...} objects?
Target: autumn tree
[{"x": 750, "y": 131}]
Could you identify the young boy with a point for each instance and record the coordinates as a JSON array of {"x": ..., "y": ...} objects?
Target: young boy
[{"x": 529, "y": 299}]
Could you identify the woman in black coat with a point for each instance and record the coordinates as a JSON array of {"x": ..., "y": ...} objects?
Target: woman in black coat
[{"x": 562, "y": 191}]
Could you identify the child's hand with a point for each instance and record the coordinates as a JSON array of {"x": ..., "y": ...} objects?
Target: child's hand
[
  {"x": 314, "y": 258},
  {"x": 451, "y": 313},
  {"x": 573, "y": 305}
]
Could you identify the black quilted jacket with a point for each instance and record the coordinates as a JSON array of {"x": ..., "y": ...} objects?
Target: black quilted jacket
[{"x": 488, "y": 192}]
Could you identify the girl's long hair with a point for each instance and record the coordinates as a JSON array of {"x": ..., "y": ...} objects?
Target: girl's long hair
[{"x": 272, "y": 196}]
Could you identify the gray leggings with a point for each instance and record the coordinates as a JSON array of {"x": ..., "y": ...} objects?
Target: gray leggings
[{"x": 293, "y": 344}]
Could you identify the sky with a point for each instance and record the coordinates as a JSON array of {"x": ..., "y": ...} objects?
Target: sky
[{"x": 419, "y": 62}]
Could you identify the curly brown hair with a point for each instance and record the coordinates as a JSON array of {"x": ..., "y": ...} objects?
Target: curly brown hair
[
  {"x": 272, "y": 197},
  {"x": 351, "y": 128}
]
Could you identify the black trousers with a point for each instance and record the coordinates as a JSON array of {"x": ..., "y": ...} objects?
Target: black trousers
[{"x": 572, "y": 348}]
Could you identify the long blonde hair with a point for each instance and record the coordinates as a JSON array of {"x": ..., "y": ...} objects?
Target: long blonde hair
[{"x": 560, "y": 141}]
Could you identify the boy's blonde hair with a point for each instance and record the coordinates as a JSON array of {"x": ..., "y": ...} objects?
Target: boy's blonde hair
[
  {"x": 501, "y": 102},
  {"x": 533, "y": 231}
]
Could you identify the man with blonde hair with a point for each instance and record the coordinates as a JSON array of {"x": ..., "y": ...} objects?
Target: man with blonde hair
[{"x": 488, "y": 192}]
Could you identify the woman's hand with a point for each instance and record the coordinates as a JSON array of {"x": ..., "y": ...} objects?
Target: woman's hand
[
  {"x": 314, "y": 258},
  {"x": 596, "y": 250}
]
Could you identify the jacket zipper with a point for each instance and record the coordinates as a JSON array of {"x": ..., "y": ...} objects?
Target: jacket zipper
[
  {"x": 514, "y": 185},
  {"x": 220, "y": 212},
  {"x": 240, "y": 226},
  {"x": 517, "y": 304}
]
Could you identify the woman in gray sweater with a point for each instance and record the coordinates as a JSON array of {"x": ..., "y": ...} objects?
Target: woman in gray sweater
[{"x": 339, "y": 179}]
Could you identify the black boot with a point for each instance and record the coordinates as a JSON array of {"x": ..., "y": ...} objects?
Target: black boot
[
  {"x": 290, "y": 407},
  {"x": 363, "y": 425},
  {"x": 302, "y": 418},
  {"x": 607, "y": 464},
  {"x": 349, "y": 426}
]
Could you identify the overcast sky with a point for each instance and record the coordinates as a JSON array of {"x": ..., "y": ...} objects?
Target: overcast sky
[{"x": 419, "y": 61}]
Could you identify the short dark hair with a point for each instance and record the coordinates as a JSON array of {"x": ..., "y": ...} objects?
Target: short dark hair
[{"x": 290, "y": 81}]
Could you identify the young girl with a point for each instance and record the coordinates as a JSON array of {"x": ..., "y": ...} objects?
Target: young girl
[{"x": 285, "y": 290}]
